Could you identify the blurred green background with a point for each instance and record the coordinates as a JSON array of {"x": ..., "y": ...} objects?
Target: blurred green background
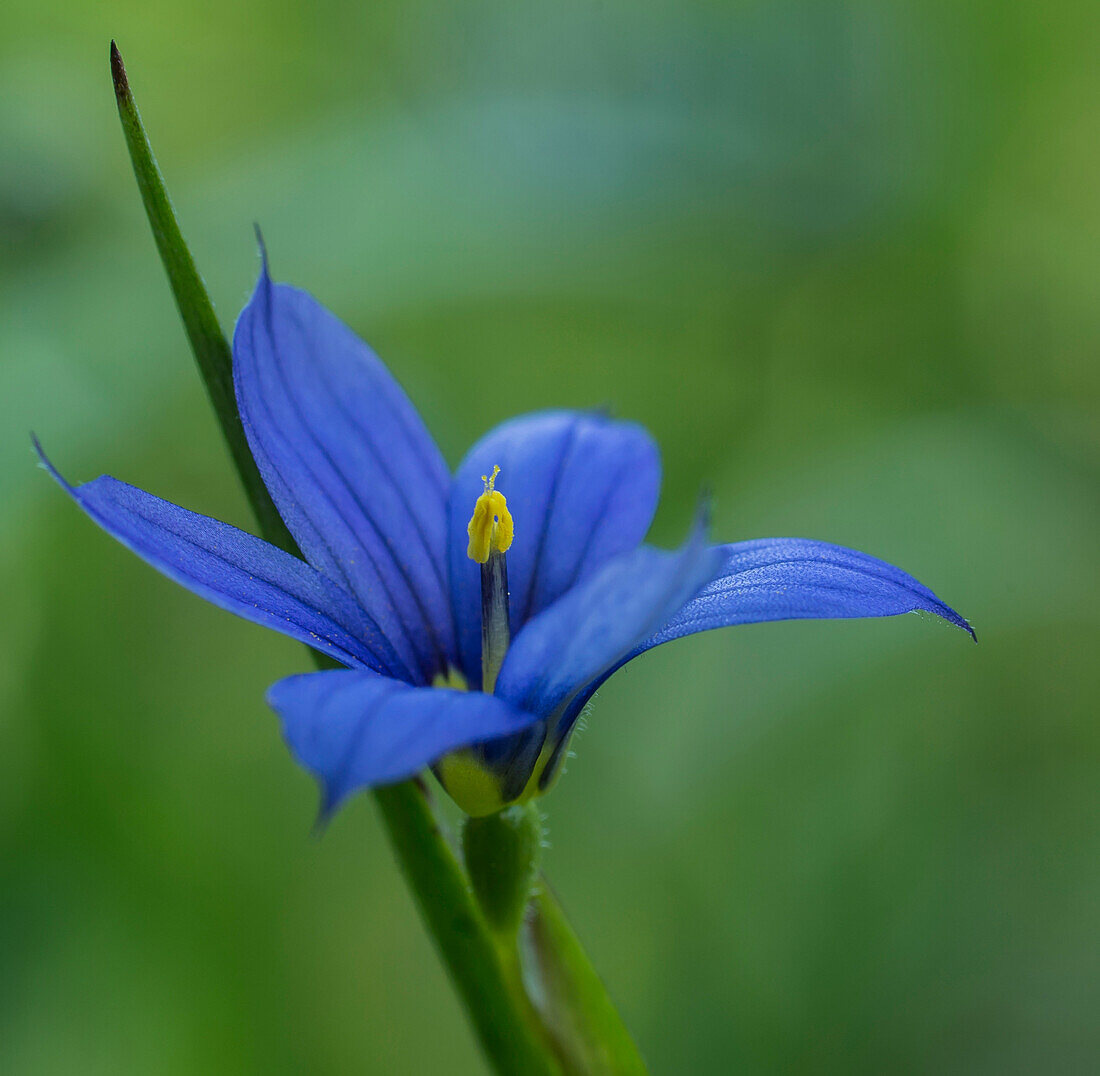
[{"x": 842, "y": 259}]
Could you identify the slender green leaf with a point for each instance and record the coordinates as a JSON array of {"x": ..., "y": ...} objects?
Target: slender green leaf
[
  {"x": 577, "y": 1011},
  {"x": 508, "y": 1030},
  {"x": 208, "y": 342}
]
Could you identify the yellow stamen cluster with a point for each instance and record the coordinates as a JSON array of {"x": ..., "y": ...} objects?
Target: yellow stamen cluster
[{"x": 490, "y": 527}]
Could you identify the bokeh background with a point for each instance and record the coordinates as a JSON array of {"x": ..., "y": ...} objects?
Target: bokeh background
[{"x": 842, "y": 259}]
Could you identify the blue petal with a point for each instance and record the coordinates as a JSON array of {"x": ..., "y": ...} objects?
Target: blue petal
[
  {"x": 235, "y": 570},
  {"x": 788, "y": 579},
  {"x": 352, "y": 469},
  {"x": 355, "y": 729},
  {"x": 581, "y": 489},
  {"x": 799, "y": 579},
  {"x": 600, "y": 621}
]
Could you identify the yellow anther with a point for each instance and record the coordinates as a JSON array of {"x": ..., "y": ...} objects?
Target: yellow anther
[{"x": 490, "y": 527}]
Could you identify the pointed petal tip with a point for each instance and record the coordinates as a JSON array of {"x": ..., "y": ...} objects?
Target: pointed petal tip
[
  {"x": 945, "y": 612},
  {"x": 263, "y": 248},
  {"x": 962, "y": 622},
  {"x": 263, "y": 293},
  {"x": 704, "y": 512},
  {"x": 326, "y": 809},
  {"x": 47, "y": 466},
  {"x": 940, "y": 608}
]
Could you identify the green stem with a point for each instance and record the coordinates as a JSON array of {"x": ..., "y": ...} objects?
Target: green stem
[
  {"x": 486, "y": 978},
  {"x": 500, "y": 1015},
  {"x": 543, "y": 961}
]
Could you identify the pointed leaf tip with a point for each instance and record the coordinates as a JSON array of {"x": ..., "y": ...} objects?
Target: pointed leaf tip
[{"x": 118, "y": 74}]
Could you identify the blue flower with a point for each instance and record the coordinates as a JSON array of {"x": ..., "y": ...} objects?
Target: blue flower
[{"x": 414, "y": 580}]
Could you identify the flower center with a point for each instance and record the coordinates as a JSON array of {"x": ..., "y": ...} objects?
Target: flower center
[
  {"x": 490, "y": 527},
  {"x": 490, "y": 530}
]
